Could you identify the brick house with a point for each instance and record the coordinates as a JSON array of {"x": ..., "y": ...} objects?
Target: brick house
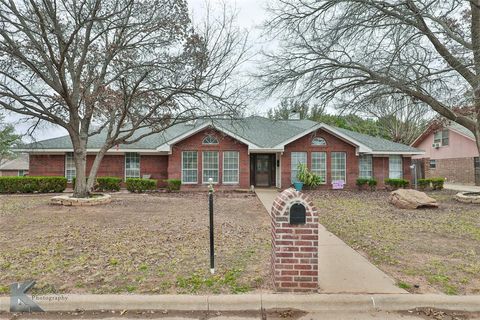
[
  {"x": 450, "y": 152},
  {"x": 237, "y": 153},
  {"x": 15, "y": 167}
]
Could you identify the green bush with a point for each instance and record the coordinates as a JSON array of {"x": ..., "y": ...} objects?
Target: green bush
[
  {"x": 308, "y": 178},
  {"x": 141, "y": 185},
  {"x": 108, "y": 184},
  {"x": 423, "y": 183},
  {"x": 173, "y": 184},
  {"x": 397, "y": 183},
  {"x": 437, "y": 183},
  {"x": 30, "y": 184},
  {"x": 361, "y": 182}
]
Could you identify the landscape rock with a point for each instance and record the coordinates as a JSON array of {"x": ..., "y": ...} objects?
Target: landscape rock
[{"x": 411, "y": 199}]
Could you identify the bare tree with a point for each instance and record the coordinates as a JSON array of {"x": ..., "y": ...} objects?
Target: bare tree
[
  {"x": 125, "y": 69},
  {"x": 401, "y": 119},
  {"x": 352, "y": 52}
]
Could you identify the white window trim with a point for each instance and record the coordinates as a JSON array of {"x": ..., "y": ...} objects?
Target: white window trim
[
  {"x": 401, "y": 166},
  {"x": 319, "y": 145},
  {"x": 223, "y": 168},
  {"x": 181, "y": 168},
  {"x": 218, "y": 166},
  {"x": 293, "y": 179},
  {"x": 325, "y": 166},
  {"x": 345, "y": 165},
  {"x": 210, "y": 143},
  {"x": 125, "y": 167},
  {"x": 65, "y": 159},
  {"x": 371, "y": 166}
]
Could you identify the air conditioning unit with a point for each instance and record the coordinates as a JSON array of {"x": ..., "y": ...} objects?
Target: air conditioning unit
[{"x": 436, "y": 145}]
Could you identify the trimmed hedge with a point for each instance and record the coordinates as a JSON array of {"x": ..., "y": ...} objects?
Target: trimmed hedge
[
  {"x": 423, "y": 183},
  {"x": 437, "y": 183},
  {"x": 141, "y": 185},
  {"x": 397, "y": 183},
  {"x": 372, "y": 183},
  {"x": 108, "y": 184},
  {"x": 32, "y": 184},
  {"x": 434, "y": 183},
  {"x": 173, "y": 184}
]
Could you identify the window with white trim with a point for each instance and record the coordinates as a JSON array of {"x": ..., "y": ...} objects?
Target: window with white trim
[
  {"x": 189, "y": 167},
  {"x": 317, "y": 141},
  {"x": 441, "y": 137},
  {"x": 210, "y": 166},
  {"x": 339, "y": 166},
  {"x": 210, "y": 140},
  {"x": 296, "y": 159},
  {"x": 365, "y": 166},
  {"x": 132, "y": 165},
  {"x": 433, "y": 164},
  {"x": 395, "y": 164},
  {"x": 70, "y": 169},
  {"x": 22, "y": 173},
  {"x": 230, "y": 167},
  {"x": 319, "y": 165}
]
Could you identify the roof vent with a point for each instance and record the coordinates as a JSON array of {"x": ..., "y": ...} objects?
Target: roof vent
[{"x": 294, "y": 115}]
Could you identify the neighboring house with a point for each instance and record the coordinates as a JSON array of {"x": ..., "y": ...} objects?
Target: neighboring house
[
  {"x": 450, "y": 152},
  {"x": 15, "y": 167},
  {"x": 239, "y": 153}
]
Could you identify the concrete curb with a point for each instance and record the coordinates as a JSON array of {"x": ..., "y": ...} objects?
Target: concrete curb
[{"x": 305, "y": 302}]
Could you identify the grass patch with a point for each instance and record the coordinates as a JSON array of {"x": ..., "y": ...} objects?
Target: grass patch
[{"x": 431, "y": 249}]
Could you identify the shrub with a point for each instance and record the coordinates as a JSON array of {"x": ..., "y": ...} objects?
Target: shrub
[
  {"x": 308, "y": 178},
  {"x": 423, "y": 183},
  {"x": 396, "y": 183},
  {"x": 141, "y": 185},
  {"x": 437, "y": 183},
  {"x": 30, "y": 184},
  {"x": 173, "y": 184},
  {"x": 362, "y": 182},
  {"x": 108, "y": 184}
]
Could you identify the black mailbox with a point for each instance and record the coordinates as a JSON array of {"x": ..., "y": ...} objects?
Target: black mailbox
[{"x": 297, "y": 214}]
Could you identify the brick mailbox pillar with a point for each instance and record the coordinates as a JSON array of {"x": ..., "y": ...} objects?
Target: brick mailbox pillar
[{"x": 294, "y": 242}]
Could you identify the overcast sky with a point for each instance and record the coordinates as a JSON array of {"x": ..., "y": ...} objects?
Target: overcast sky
[{"x": 251, "y": 14}]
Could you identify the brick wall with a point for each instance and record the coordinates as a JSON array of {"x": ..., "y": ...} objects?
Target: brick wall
[
  {"x": 294, "y": 257},
  {"x": 458, "y": 170},
  {"x": 156, "y": 166},
  {"x": 194, "y": 143},
  {"x": 111, "y": 166},
  {"x": 334, "y": 144},
  {"x": 47, "y": 165}
]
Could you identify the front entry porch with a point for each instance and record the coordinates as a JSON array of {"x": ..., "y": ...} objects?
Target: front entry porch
[{"x": 264, "y": 169}]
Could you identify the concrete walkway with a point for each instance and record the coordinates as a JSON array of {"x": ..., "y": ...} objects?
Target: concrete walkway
[
  {"x": 462, "y": 187},
  {"x": 340, "y": 268}
]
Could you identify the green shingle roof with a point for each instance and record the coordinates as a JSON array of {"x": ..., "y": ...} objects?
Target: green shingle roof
[{"x": 258, "y": 131}]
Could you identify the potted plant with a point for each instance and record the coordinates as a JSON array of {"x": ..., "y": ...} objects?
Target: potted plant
[{"x": 306, "y": 178}]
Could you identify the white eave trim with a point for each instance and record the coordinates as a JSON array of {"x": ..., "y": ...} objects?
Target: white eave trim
[
  {"x": 386, "y": 153},
  {"x": 361, "y": 148},
  {"x": 113, "y": 150},
  {"x": 167, "y": 147}
]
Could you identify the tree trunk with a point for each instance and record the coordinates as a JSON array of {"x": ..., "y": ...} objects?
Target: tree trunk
[
  {"x": 81, "y": 189},
  {"x": 94, "y": 170}
]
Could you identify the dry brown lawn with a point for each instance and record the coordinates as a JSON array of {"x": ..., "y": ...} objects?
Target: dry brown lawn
[
  {"x": 426, "y": 250},
  {"x": 139, "y": 243}
]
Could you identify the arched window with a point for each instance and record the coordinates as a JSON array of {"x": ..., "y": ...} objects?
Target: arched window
[
  {"x": 319, "y": 142},
  {"x": 210, "y": 140}
]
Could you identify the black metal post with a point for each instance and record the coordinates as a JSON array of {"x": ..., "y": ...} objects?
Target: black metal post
[{"x": 212, "y": 244}]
